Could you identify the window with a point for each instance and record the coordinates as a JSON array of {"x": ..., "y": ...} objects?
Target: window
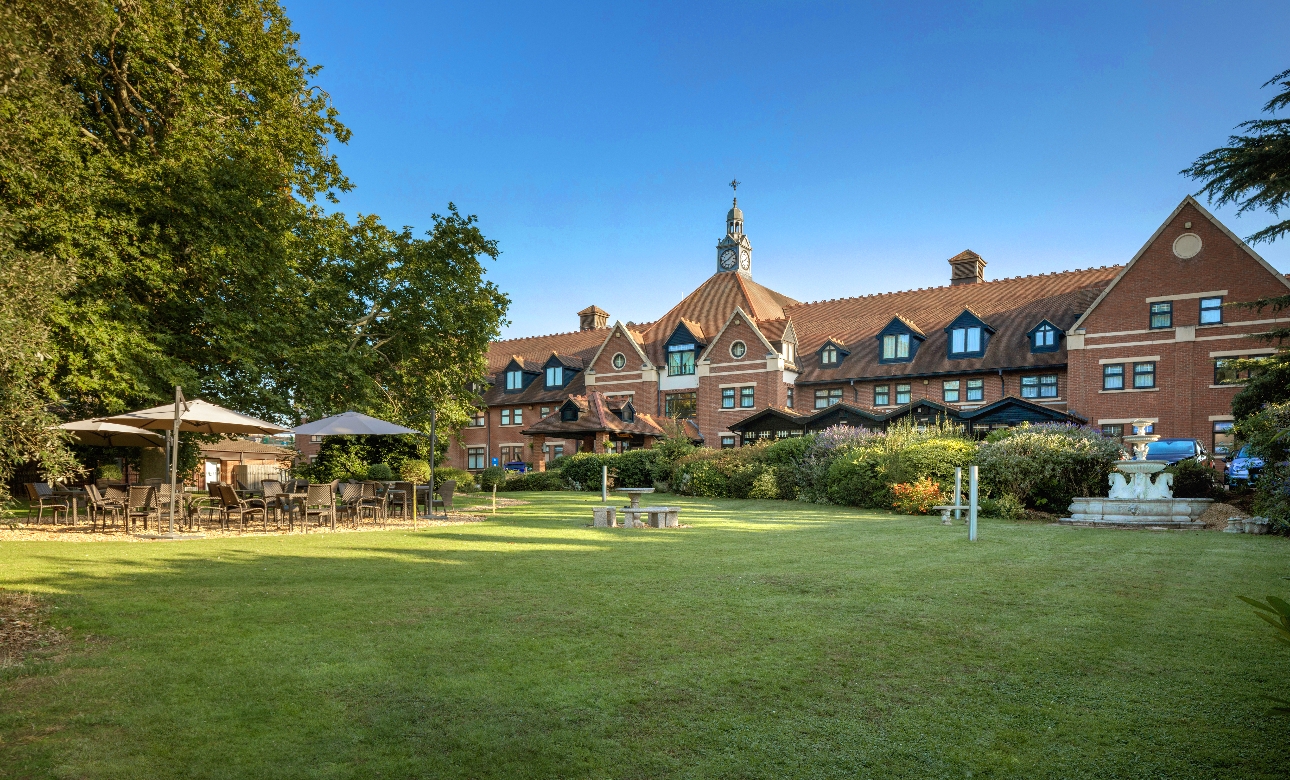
[
  {"x": 619, "y": 360},
  {"x": 1113, "y": 376},
  {"x": 881, "y": 395},
  {"x": 514, "y": 380},
  {"x": 545, "y": 411},
  {"x": 478, "y": 420},
  {"x": 1162, "y": 314},
  {"x": 316, "y": 439},
  {"x": 790, "y": 352},
  {"x": 1144, "y": 375},
  {"x": 1225, "y": 373},
  {"x": 554, "y": 376},
  {"x": 680, "y": 405},
  {"x": 680, "y": 360},
  {"x": 746, "y": 397},
  {"x": 965, "y": 340},
  {"x": 475, "y": 458},
  {"x": 896, "y": 347},
  {"x": 1224, "y": 439},
  {"x": 569, "y": 413},
  {"x": 976, "y": 389},
  {"x": 1039, "y": 386},
  {"x": 1044, "y": 338},
  {"x": 727, "y": 398},
  {"x": 950, "y": 391},
  {"x": 506, "y": 417},
  {"x": 1211, "y": 311},
  {"x": 902, "y": 394},
  {"x": 826, "y": 398},
  {"x": 727, "y": 442},
  {"x": 1115, "y": 431},
  {"x": 738, "y": 349},
  {"x": 829, "y": 355},
  {"x": 788, "y": 400}
]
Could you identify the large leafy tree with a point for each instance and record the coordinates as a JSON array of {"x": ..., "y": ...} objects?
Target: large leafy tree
[
  {"x": 1253, "y": 173},
  {"x": 164, "y": 169}
]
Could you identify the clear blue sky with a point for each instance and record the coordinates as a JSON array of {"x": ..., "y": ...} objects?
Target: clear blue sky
[{"x": 873, "y": 143}]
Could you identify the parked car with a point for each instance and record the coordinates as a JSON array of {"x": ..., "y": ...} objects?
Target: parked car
[
  {"x": 1243, "y": 467},
  {"x": 1173, "y": 450}
]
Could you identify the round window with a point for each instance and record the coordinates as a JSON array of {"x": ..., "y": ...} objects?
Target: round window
[
  {"x": 1187, "y": 246},
  {"x": 620, "y": 360},
  {"x": 738, "y": 349}
]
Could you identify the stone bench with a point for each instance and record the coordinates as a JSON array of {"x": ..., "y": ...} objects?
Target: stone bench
[
  {"x": 658, "y": 516},
  {"x": 945, "y": 513},
  {"x": 605, "y": 516}
]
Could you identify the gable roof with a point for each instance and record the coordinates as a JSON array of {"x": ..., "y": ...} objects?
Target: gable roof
[
  {"x": 738, "y": 313},
  {"x": 709, "y": 306},
  {"x": 1188, "y": 200},
  {"x": 595, "y": 415},
  {"x": 619, "y": 329}
]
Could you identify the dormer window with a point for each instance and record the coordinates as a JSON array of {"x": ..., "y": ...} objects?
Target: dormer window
[
  {"x": 569, "y": 413},
  {"x": 895, "y": 346},
  {"x": 968, "y": 336},
  {"x": 1044, "y": 337},
  {"x": 514, "y": 381},
  {"x": 555, "y": 376},
  {"x": 832, "y": 353},
  {"x": 829, "y": 356},
  {"x": 790, "y": 352},
  {"x": 680, "y": 360},
  {"x": 965, "y": 340}
]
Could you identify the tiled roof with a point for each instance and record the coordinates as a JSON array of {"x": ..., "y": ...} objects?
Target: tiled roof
[
  {"x": 710, "y": 305},
  {"x": 233, "y": 446},
  {"x": 596, "y": 415},
  {"x": 1010, "y": 306},
  {"x": 534, "y": 350}
]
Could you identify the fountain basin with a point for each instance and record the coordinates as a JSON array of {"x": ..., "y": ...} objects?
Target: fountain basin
[{"x": 1138, "y": 513}]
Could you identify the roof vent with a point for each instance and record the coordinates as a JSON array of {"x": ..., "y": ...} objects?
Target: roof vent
[
  {"x": 967, "y": 267},
  {"x": 592, "y": 318}
]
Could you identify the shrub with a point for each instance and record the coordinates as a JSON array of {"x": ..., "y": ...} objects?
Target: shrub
[
  {"x": 634, "y": 468},
  {"x": 380, "y": 471},
  {"x": 464, "y": 479},
  {"x": 867, "y": 467},
  {"x": 413, "y": 470},
  {"x": 765, "y": 484},
  {"x": 721, "y": 473},
  {"x": 917, "y": 498},
  {"x": 1267, "y": 437},
  {"x": 582, "y": 470},
  {"x": 1045, "y": 466},
  {"x": 493, "y": 475},
  {"x": 1193, "y": 479},
  {"x": 110, "y": 471},
  {"x": 1005, "y": 507},
  {"x": 532, "y": 480}
]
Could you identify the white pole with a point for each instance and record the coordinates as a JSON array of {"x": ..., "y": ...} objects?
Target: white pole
[
  {"x": 958, "y": 491},
  {"x": 604, "y": 484},
  {"x": 174, "y": 454},
  {"x": 972, "y": 504},
  {"x": 494, "y": 497}
]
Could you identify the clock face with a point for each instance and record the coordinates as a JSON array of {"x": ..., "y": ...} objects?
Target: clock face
[
  {"x": 744, "y": 260},
  {"x": 728, "y": 259}
]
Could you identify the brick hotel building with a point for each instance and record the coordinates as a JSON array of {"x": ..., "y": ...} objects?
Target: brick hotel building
[{"x": 735, "y": 362}]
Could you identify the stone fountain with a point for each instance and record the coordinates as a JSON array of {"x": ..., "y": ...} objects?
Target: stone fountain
[{"x": 1140, "y": 495}]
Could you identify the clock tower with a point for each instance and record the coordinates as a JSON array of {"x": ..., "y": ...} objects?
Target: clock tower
[{"x": 734, "y": 251}]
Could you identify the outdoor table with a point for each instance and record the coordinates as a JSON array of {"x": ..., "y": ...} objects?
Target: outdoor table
[
  {"x": 635, "y": 494},
  {"x": 74, "y": 497}
]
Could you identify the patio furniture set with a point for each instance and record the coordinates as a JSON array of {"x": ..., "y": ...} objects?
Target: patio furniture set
[
  {"x": 295, "y": 501},
  {"x": 656, "y": 516}
]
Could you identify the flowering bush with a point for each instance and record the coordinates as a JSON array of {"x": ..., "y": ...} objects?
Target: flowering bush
[
  {"x": 1045, "y": 466},
  {"x": 917, "y": 498}
]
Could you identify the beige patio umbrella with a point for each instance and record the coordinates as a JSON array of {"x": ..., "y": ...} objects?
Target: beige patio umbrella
[
  {"x": 197, "y": 417},
  {"x": 99, "y": 433}
]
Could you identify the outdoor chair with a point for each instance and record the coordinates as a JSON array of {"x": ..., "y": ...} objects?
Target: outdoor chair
[
  {"x": 43, "y": 499},
  {"x": 320, "y": 502},
  {"x": 399, "y": 494},
  {"x": 118, "y": 494},
  {"x": 163, "y": 505},
  {"x": 376, "y": 499},
  {"x": 141, "y": 505},
  {"x": 351, "y": 498},
  {"x": 275, "y": 498},
  {"x": 153, "y": 482},
  {"x": 445, "y": 491},
  {"x": 99, "y": 506},
  {"x": 232, "y": 505}
]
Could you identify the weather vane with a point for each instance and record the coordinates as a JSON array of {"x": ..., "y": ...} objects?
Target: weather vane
[{"x": 734, "y": 185}]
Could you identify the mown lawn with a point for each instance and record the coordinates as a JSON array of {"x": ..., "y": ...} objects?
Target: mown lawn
[{"x": 768, "y": 640}]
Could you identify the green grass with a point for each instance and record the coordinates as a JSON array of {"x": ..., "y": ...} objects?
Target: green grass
[{"x": 769, "y": 640}]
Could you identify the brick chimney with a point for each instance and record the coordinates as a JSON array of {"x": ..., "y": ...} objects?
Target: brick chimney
[
  {"x": 592, "y": 318},
  {"x": 967, "y": 267}
]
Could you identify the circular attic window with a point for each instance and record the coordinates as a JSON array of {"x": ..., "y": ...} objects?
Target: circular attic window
[
  {"x": 620, "y": 360},
  {"x": 1187, "y": 246},
  {"x": 738, "y": 349}
]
